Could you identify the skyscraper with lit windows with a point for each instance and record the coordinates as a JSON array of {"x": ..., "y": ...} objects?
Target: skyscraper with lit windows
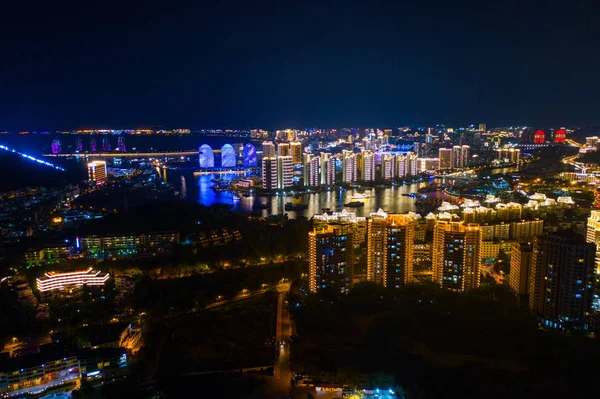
[
  {"x": 330, "y": 258},
  {"x": 268, "y": 149},
  {"x": 521, "y": 256},
  {"x": 312, "y": 172},
  {"x": 296, "y": 152},
  {"x": 285, "y": 172},
  {"x": 457, "y": 255},
  {"x": 349, "y": 167},
  {"x": 327, "y": 169},
  {"x": 269, "y": 173},
  {"x": 97, "y": 171},
  {"x": 562, "y": 280},
  {"x": 284, "y": 150},
  {"x": 368, "y": 165},
  {"x": 390, "y": 239},
  {"x": 445, "y": 156},
  {"x": 388, "y": 167}
]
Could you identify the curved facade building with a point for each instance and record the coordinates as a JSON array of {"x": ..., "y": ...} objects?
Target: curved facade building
[
  {"x": 539, "y": 137},
  {"x": 560, "y": 136},
  {"x": 206, "y": 157},
  {"x": 227, "y": 156},
  {"x": 105, "y": 143},
  {"x": 78, "y": 145},
  {"x": 56, "y": 146},
  {"x": 92, "y": 144},
  {"x": 121, "y": 144},
  {"x": 250, "y": 159}
]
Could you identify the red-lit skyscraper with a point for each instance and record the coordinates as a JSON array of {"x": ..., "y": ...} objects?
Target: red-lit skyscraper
[{"x": 539, "y": 137}]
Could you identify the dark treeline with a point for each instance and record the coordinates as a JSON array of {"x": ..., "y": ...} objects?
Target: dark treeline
[{"x": 435, "y": 343}]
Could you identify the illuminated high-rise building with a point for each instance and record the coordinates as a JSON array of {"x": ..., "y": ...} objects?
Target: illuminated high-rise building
[
  {"x": 539, "y": 137},
  {"x": 445, "y": 156},
  {"x": 390, "y": 239},
  {"x": 78, "y": 144},
  {"x": 401, "y": 166},
  {"x": 349, "y": 167},
  {"x": 268, "y": 149},
  {"x": 121, "y": 144},
  {"x": 327, "y": 169},
  {"x": 521, "y": 256},
  {"x": 105, "y": 143},
  {"x": 269, "y": 173},
  {"x": 457, "y": 255},
  {"x": 593, "y": 236},
  {"x": 368, "y": 165},
  {"x": 330, "y": 258},
  {"x": 456, "y": 156},
  {"x": 284, "y": 150},
  {"x": 296, "y": 152},
  {"x": 312, "y": 172},
  {"x": 92, "y": 144},
  {"x": 562, "y": 279},
  {"x": 464, "y": 156},
  {"x": 411, "y": 164},
  {"x": 97, "y": 171},
  {"x": 56, "y": 146},
  {"x": 285, "y": 172},
  {"x": 388, "y": 167},
  {"x": 482, "y": 128}
]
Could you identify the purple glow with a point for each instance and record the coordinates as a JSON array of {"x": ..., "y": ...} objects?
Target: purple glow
[
  {"x": 105, "y": 143},
  {"x": 121, "y": 144},
  {"x": 56, "y": 146}
]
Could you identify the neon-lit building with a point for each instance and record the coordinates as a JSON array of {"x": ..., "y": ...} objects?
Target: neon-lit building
[
  {"x": 92, "y": 144},
  {"x": 560, "y": 136},
  {"x": 228, "y": 156},
  {"x": 539, "y": 137},
  {"x": 56, "y": 146},
  {"x": 52, "y": 281},
  {"x": 250, "y": 155},
  {"x": 206, "y": 158},
  {"x": 106, "y": 143},
  {"x": 78, "y": 144},
  {"x": 97, "y": 171},
  {"x": 121, "y": 144}
]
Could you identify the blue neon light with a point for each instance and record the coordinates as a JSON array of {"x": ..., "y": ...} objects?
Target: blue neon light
[{"x": 2, "y": 147}]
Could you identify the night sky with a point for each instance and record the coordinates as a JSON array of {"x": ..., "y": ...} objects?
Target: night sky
[{"x": 242, "y": 64}]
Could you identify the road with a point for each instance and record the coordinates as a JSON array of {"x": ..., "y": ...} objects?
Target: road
[{"x": 280, "y": 385}]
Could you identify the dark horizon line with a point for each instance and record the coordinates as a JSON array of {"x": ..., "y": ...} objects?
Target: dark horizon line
[{"x": 411, "y": 126}]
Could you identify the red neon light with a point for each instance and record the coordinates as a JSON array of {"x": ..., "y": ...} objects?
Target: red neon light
[
  {"x": 560, "y": 136},
  {"x": 539, "y": 137}
]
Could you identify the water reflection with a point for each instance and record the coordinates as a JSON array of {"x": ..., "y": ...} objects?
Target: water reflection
[{"x": 388, "y": 198}]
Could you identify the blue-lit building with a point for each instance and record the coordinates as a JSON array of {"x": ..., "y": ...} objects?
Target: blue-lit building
[
  {"x": 250, "y": 159},
  {"x": 228, "y": 156},
  {"x": 206, "y": 157}
]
